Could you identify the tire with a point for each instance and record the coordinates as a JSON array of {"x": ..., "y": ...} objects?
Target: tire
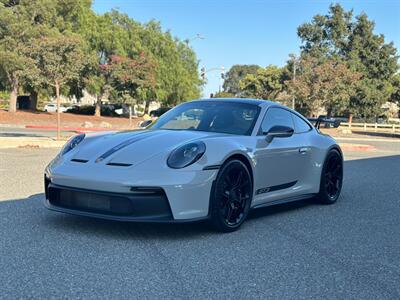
[
  {"x": 331, "y": 178},
  {"x": 231, "y": 197}
]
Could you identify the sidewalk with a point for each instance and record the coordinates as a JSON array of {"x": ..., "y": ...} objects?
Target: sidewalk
[
  {"x": 48, "y": 142},
  {"x": 30, "y": 142}
]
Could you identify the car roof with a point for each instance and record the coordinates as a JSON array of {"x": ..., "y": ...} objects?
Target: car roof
[{"x": 258, "y": 102}]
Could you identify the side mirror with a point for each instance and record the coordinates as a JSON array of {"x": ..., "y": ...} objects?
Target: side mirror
[
  {"x": 144, "y": 124},
  {"x": 278, "y": 132}
]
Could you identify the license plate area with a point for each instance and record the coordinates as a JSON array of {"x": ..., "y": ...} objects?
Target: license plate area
[
  {"x": 91, "y": 202},
  {"x": 87, "y": 200}
]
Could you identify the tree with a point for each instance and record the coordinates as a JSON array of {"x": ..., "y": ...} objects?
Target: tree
[
  {"x": 131, "y": 77},
  {"x": 395, "y": 95},
  {"x": 16, "y": 34},
  {"x": 329, "y": 85},
  {"x": 338, "y": 35},
  {"x": 235, "y": 74},
  {"x": 267, "y": 83},
  {"x": 223, "y": 95},
  {"x": 21, "y": 23},
  {"x": 60, "y": 59},
  {"x": 175, "y": 63}
]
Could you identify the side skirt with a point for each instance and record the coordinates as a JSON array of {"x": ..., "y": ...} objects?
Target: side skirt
[{"x": 284, "y": 200}]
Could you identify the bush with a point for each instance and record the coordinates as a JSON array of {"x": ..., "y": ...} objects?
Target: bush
[
  {"x": 4, "y": 96},
  {"x": 106, "y": 110}
]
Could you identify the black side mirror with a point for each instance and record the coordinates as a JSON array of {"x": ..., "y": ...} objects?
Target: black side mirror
[
  {"x": 146, "y": 123},
  {"x": 278, "y": 132}
]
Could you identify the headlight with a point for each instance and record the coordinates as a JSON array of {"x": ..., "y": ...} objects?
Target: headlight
[
  {"x": 72, "y": 143},
  {"x": 186, "y": 155}
]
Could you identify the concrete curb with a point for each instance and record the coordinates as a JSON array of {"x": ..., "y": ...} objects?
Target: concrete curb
[
  {"x": 16, "y": 142},
  {"x": 386, "y": 140},
  {"x": 21, "y": 142},
  {"x": 356, "y": 147},
  {"x": 75, "y": 129},
  {"x": 11, "y": 126}
]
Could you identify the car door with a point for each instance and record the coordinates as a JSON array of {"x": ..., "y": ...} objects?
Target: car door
[
  {"x": 279, "y": 163},
  {"x": 303, "y": 133}
]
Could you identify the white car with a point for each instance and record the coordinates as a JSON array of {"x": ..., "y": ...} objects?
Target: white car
[
  {"x": 227, "y": 157},
  {"x": 52, "y": 107}
]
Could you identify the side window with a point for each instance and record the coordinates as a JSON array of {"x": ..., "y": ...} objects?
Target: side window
[
  {"x": 276, "y": 116},
  {"x": 299, "y": 125}
]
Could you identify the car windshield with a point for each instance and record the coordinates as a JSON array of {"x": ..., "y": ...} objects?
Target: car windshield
[{"x": 212, "y": 116}]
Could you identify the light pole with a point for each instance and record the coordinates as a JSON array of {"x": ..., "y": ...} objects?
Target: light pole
[
  {"x": 222, "y": 74},
  {"x": 221, "y": 79},
  {"x": 198, "y": 36},
  {"x": 294, "y": 80},
  {"x": 294, "y": 77}
]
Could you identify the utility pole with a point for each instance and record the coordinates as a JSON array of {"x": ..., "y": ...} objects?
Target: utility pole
[
  {"x": 294, "y": 78},
  {"x": 221, "y": 80}
]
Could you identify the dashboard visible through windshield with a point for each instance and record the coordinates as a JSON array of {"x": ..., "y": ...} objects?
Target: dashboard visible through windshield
[{"x": 211, "y": 116}]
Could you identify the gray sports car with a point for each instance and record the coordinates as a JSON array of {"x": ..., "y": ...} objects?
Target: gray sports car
[{"x": 209, "y": 159}]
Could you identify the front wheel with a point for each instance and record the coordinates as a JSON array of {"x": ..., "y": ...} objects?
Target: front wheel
[
  {"x": 231, "y": 199},
  {"x": 331, "y": 178}
]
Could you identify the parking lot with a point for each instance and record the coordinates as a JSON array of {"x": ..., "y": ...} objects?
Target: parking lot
[{"x": 298, "y": 250}]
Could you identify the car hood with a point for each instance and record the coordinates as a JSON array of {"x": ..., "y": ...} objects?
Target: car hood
[{"x": 134, "y": 147}]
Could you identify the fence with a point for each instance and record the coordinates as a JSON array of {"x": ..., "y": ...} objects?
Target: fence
[{"x": 374, "y": 127}]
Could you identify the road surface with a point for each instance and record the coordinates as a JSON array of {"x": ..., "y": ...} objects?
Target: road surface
[{"x": 293, "y": 251}]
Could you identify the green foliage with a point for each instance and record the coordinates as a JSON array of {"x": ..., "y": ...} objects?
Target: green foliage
[
  {"x": 267, "y": 83},
  {"x": 395, "y": 95},
  {"x": 338, "y": 35},
  {"x": 328, "y": 85},
  {"x": 25, "y": 25},
  {"x": 224, "y": 95},
  {"x": 235, "y": 74},
  {"x": 174, "y": 62},
  {"x": 59, "y": 58},
  {"x": 130, "y": 76}
]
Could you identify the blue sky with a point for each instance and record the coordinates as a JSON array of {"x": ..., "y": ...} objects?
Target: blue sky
[{"x": 259, "y": 32}]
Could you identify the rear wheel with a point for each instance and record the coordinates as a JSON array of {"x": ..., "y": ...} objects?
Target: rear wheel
[
  {"x": 230, "y": 202},
  {"x": 331, "y": 178}
]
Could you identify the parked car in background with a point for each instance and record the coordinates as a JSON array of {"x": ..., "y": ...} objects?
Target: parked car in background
[
  {"x": 109, "y": 110},
  {"x": 52, "y": 107},
  {"x": 159, "y": 112}
]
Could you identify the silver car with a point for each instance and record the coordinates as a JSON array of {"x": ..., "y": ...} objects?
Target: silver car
[{"x": 211, "y": 159}]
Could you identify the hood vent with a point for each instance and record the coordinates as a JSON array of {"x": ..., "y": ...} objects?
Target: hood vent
[
  {"x": 119, "y": 164},
  {"x": 83, "y": 161}
]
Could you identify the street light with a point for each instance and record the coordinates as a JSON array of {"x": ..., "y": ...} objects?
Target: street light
[
  {"x": 198, "y": 36},
  {"x": 221, "y": 69}
]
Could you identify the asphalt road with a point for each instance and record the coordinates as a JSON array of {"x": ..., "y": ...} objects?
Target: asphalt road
[{"x": 350, "y": 250}]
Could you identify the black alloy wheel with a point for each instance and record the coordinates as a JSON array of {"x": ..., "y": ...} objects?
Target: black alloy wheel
[
  {"x": 232, "y": 197},
  {"x": 331, "y": 178}
]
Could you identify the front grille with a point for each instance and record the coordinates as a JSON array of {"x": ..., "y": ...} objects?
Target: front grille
[
  {"x": 91, "y": 202},
  {"x": 133, "y": 205}
]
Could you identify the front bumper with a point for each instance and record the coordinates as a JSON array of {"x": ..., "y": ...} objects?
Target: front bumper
[
  {"x": 142, "y": 205},
  {"x": 185, "y": 194}
]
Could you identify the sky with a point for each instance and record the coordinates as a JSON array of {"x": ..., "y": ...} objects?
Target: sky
[{"x": 258, "y": 32}]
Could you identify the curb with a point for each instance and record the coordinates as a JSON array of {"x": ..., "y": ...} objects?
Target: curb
[
  {"x": 357, "y": 147},
  {"x": 12, "y": 142},
  {"x": 11, "y": 126},
  {"x": 76, "y": 129}
]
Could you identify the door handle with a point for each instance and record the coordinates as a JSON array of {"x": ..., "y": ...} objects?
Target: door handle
[{"x": 303, "y": 150}]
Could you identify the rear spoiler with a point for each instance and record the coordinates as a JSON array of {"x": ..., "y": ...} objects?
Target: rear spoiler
[{"x": 322, "y": 119}]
